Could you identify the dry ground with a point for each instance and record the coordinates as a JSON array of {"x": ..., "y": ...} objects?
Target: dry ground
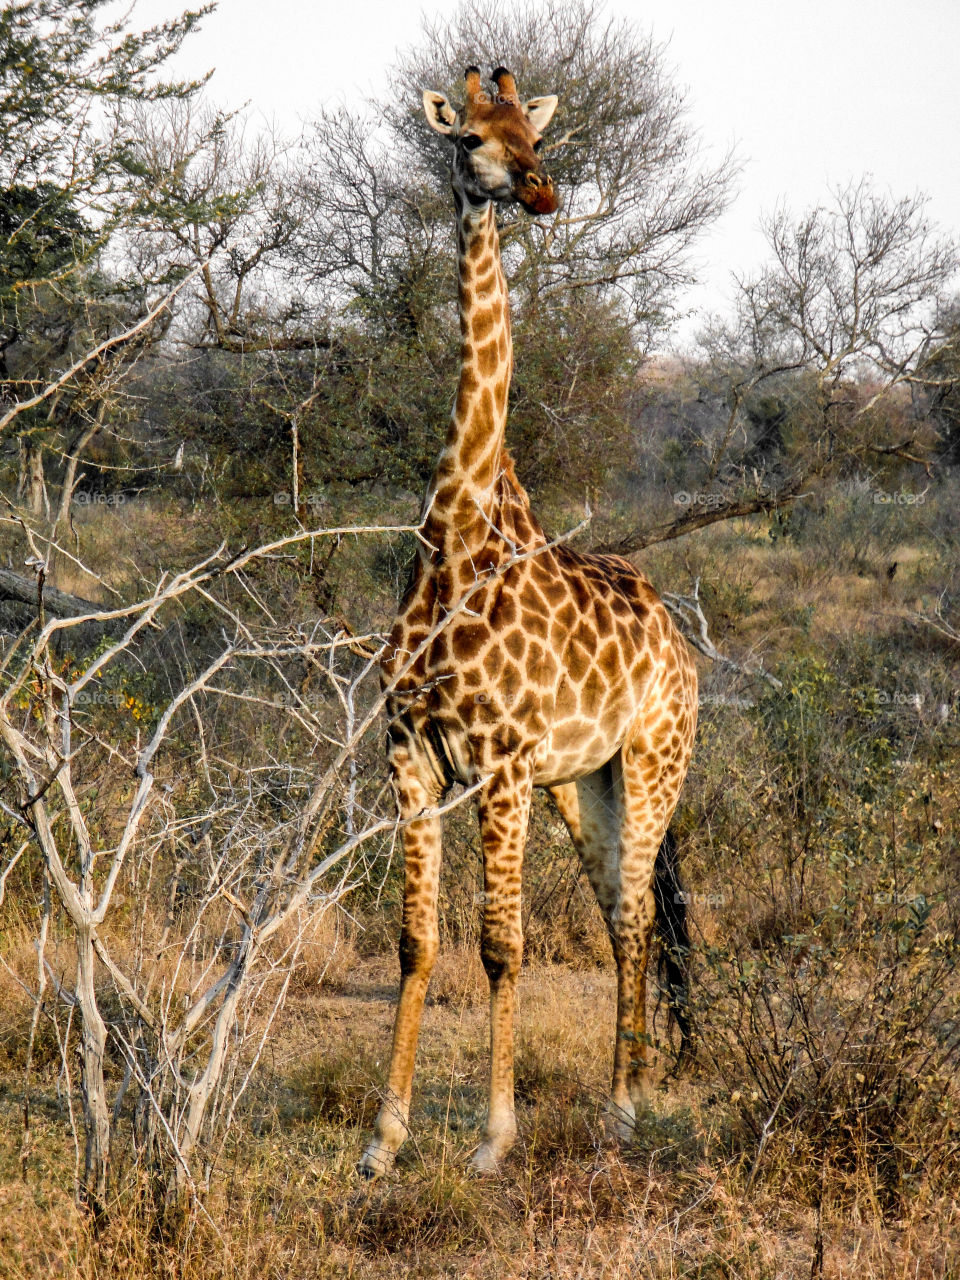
[{"x": 675, "y": 1202}]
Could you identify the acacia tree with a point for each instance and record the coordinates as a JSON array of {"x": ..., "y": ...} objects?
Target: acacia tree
[
  {"x": 636, "y": 192},
  {"x": 331, "y": 313},
  {"x": 590, "y": 287},
  {"x": 186, "y": 898},
  {"x": 74, "y": 307},
  {"x": 842, "y": 317},
  {"x": 255, "y": 340},
  {"x": 939, "y": 382}
]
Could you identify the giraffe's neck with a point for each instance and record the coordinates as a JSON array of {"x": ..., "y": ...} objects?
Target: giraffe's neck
[{"x": 466, "y": 491}]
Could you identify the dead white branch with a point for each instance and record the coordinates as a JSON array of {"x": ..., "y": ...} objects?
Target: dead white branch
[{"x": 694, "y": 626}]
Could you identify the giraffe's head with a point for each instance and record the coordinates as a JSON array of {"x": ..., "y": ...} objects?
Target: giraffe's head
[{"x": 496, "y": 138}]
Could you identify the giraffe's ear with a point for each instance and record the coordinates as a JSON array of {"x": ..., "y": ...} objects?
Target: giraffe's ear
[
  {"x": 539, "y": 111},
  {"x": 440, "y": 115}
]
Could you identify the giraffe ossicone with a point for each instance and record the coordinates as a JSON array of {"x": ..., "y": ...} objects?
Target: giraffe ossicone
[{"x": 524, "y": 663}]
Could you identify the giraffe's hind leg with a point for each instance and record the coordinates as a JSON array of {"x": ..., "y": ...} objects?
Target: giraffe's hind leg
[
  {"x": 593, "y": 810},
  {"x": 651, "y": 788},
  {"x": 419, "y": 939},
  {"x": 617, "y": 817},
  {"x": 591, "y": 807}
]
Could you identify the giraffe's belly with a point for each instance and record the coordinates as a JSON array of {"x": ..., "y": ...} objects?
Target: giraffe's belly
[
  {"x": 565, "y": 729},
  {"x": 575, "y": 746}
]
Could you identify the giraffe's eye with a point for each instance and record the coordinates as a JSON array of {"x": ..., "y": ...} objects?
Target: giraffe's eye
[
  {"x": 471, "y": 141},
  {"x": 538, "y": 144}
]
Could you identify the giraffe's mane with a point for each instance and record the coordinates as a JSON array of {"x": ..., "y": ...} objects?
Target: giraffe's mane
[{"x": 508, "y": 473}]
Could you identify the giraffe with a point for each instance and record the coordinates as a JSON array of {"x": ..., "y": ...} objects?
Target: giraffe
[{"x": 515, "y": 662}]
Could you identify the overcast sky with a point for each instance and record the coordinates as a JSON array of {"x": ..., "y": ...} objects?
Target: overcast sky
[{"x": 811, "y": 94}]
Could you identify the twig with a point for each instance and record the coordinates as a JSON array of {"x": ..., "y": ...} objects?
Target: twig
[
  {"x": 689, "y": 612},
  {"x": 107, "y": 345}
]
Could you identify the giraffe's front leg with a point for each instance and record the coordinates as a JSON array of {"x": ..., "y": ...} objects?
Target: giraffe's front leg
[
  {"x": 504, "y": 812},
  {"x": 419, "y": 939}
]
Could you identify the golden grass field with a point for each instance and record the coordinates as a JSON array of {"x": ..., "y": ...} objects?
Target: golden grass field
[{"x": 287, "y": 1201}]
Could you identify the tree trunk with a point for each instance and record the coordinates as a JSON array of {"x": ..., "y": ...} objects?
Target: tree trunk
[
  {"x": 18, "y": 604},
  {"x": 96, "y": 1113},
  {"x": 296, "y": 479},
  {"x": 31, "y": 489},
  {"x": 74, "y": 449},
  {"x": 205, "y": 1084}
]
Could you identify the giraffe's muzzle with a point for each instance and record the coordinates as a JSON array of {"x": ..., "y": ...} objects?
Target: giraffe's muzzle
[{"x": 535, "y": 192}]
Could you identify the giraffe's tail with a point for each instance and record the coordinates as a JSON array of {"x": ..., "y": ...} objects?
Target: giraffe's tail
[{"x": 671, "y": 925}]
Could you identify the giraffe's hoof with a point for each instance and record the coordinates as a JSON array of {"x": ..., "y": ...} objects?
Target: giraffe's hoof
[
  {"x": 484, "y": 1160},
  {"x": 375, "y": 1162},
  {"x": 490, "y": 1153}
]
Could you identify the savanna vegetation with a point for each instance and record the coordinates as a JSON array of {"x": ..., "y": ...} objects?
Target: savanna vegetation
[{"x": 226, "y": 363}]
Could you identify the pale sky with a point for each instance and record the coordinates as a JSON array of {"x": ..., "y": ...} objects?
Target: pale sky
[{"x": 811, "y": 94}]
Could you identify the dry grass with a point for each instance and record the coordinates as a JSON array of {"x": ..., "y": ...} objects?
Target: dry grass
[
  {"x": 458, "y": 978},
  {"x": 327, "y": 951},
  {"x": 286, "y": 1202}
]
